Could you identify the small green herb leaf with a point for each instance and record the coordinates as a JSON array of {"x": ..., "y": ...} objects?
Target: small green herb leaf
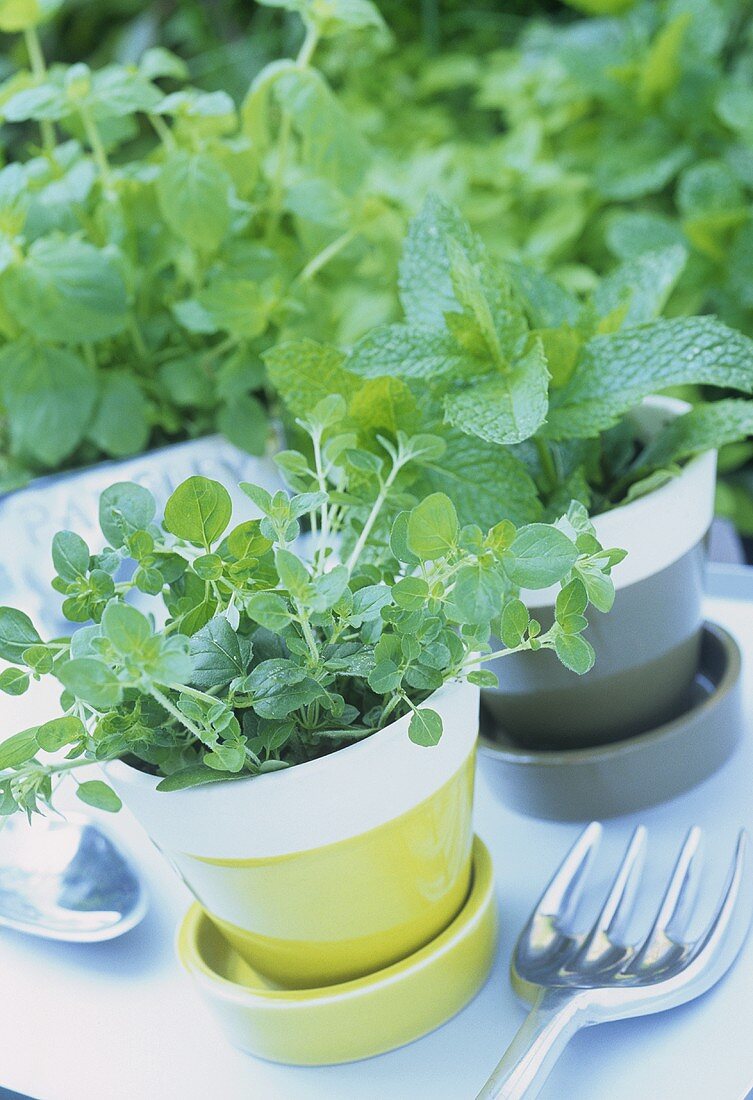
[
  {"x": 575, "y": 652},
  {"x": 56, "y": 733},
  {"x": 432, "y": 527},
  {"x": 17, "y": 633},
  {"x": 92, "y": 681},
  {"x": 14, "y": 681},
  {"x": 539, "y": 556},
  {"x": 199, "y": 511},
  {"x": 18, "y": 748},
  {"x": 96, "y": 793},
  {"x": 425, "y": 727}
]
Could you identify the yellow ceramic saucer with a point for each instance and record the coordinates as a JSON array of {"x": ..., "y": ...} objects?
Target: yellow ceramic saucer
[{"x": 356, "y": 1019}]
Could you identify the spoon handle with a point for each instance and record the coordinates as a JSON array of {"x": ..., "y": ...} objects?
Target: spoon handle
[{"x": 524, "y": 1067}]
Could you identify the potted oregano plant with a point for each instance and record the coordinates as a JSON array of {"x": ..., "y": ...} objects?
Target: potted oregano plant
[
  {"x": 543, "y": 397},
  {"x": 298, "y": 737},
  {"x": 157, "y": 239}
]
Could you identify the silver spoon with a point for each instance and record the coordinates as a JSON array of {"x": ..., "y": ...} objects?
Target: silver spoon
[
  {"x": 64, "y": 879},
  {"x": 574, "y": 980}
]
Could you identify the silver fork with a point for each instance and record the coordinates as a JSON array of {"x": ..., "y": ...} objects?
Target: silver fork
[{"x": 572, "y": 981}]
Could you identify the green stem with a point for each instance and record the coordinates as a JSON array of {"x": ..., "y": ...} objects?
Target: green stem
[
  {"x": 138, "y": 340},
  {"x": 170, "y": 707},
  {"x": 228, "y": 344},
  {"x": 306, "y": 52},
  {"x": 313, "y": 267},
  {"x": 322, "y": 483},
  {"x": 547, "y": 462},
  {"x": 302, "y": 61},
  {"x": 51, "y": 769},
  {"x": 97, "y": 148},
  {"x": 543, "y": 640},
  {"x": 204, "y": 696},
  {"x": 162, "y": 130},
  {"x": 275, "y": 198},
  {"x": 376, "y": 509},
  {"x": 39, "y": 69},
  {"x": 394, "y": 701},
  {"x": 308, "y": 634}
]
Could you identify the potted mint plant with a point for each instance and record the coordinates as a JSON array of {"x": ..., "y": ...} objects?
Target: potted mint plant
[
  {"x": 157, "y": 239},
  {"x": 542, "y": 397},
  {"x": 301, "y": 717}
]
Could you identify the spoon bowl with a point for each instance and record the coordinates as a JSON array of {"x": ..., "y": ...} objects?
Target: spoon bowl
[{"x": 64, "y": 879}]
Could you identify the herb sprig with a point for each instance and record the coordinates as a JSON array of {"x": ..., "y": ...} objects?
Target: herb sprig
[
  {"x": 287, "y": 637},
  {"x": 531, "y": 381},
  {"x": 158, "y": 239}
]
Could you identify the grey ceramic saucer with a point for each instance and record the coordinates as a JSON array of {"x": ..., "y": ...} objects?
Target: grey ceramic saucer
[{"x": 624, "y": 776}]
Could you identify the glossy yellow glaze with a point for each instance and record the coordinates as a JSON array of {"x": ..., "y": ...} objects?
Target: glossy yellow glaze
[
  {"x": 333, "y": 913},
  {"x": 356, "y": 1019}
]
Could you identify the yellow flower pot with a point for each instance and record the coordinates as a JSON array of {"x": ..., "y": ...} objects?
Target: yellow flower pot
[
  {"x": 335, "y": 868},
  {"x": 356, "y": 1019}
]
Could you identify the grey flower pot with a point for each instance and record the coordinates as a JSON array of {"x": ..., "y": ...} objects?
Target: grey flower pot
[
  {"x": 647, "y": 646},
  {"x": 30, "y": 517},
  {"x": 624, "y": 776}
]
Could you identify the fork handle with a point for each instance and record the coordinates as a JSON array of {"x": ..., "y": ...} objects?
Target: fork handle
[{"x": 553, "y": 1020}]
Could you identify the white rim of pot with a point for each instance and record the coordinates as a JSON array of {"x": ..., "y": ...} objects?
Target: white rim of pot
[
  {"x": 320, "y": 802},
  {"x": 661, "y": 527}
]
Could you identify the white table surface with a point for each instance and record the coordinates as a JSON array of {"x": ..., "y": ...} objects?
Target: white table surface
[{"x": 121, "y": 1021}]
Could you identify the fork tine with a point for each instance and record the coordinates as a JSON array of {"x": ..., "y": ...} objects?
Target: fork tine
[
  {"x": 676, "y": 903},
  {"x": 561, "y": 895},
  {"x": 736, "y": 903},
  {"x": 616, "y": 910},
  {"x": 678, "y": 900}
]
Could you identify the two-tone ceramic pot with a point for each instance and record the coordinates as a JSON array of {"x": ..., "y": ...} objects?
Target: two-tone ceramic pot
[
  {"x": 335, "y": 868},
  {"x": 648, "y": 646}
]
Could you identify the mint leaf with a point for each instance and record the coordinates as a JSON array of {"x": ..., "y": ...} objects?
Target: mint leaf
[
  {"x": 409, "y": 352},
  {"x": 486, "y": 482},
  {"x": 245, "y": 423},
  {"x": 706, "y": 427},
  {"x": 66, "y": 291},
  {"x": 547, "y": 304},
  {"x": 49, "y": 394},
  {"x": 630, "y": 233},
  {"x": 641, "y": 285},
  {"x": 507, "y": 407},
  {"x": 304, "y": 373},
  {"x": 615, "y": 372},
  {"x": 426, "y": 289},
  {"x": 194, "y": 193},
  {"x": 120, "y": 425}
]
